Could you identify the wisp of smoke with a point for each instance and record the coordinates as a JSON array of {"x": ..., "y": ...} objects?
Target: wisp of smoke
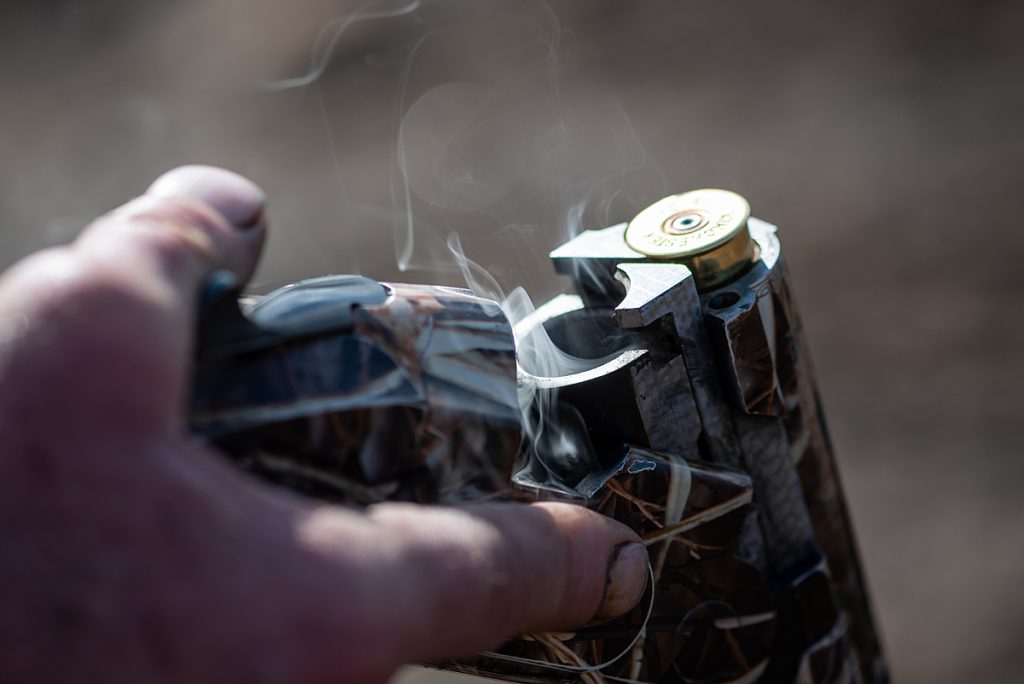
[
  {"x": 554, "y": 447},
  {"x": 478, "y": 279},
  {"x": 327, "y": 40},
  {"x": 496, "y": 144}
]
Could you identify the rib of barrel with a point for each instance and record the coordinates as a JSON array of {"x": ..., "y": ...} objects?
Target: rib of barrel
[
  {"x": 711, "y": 617},
  {"x": 759, "y": 339}
]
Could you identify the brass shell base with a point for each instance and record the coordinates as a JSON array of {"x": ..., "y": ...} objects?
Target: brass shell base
[{"x": 704, "y": 229}]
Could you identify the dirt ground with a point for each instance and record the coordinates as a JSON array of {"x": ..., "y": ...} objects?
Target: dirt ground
[{"x": 884, "y": 138}]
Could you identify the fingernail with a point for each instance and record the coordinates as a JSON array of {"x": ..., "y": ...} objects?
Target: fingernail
[
  {"x": 627, "y": 579},
  {"x": 235, "y": 197}
]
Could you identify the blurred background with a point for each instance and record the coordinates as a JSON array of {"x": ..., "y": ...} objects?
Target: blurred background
[{"x": 885, "y": 139}]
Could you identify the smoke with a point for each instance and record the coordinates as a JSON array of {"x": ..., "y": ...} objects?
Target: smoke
[
  {"x": 328, "y": 38},
  {"x": 495, "y": 161},
  {"x": 558, "y": 454},
  {"x": 516, "y": 148},
  {"x": 510, "y": 148},
  {"x": 477, "y": 278},
  {"x": 471, "y": 148},
  {"x": 404, "y": 233},
  {"x": 555, "y": 454}
]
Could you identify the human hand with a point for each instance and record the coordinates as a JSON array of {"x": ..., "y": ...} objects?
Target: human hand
[{"x": 132, "y": 552}]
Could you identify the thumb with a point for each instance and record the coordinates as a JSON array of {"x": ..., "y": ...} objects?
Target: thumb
[
  {"x": 119, "y": 302},
  {"x": 455, "y": 581}
]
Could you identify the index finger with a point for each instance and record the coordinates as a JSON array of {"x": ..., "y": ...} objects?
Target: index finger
[{"x": 443, "y": 582}]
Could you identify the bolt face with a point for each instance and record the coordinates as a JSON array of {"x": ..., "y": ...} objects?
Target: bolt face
[{"x": 704, "y": 229}]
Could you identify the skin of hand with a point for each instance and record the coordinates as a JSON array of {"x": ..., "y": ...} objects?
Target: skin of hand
[{"x": 132, "y": 552}]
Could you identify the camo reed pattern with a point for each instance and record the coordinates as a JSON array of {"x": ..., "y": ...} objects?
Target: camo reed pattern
[
  {"x": 765, "y": 358},
  {"x": 415, "y": 401},
  {"x": 712, "y": 618}
]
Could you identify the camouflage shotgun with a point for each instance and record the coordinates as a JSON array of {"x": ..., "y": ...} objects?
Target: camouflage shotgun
[{"x": 687, "y": 409}]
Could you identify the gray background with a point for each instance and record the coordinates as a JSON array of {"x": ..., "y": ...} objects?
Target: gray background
[{"x": 884, "y": 138}]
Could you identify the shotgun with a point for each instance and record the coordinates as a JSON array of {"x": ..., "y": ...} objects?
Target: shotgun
[{"x": 672, "y": 390}]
